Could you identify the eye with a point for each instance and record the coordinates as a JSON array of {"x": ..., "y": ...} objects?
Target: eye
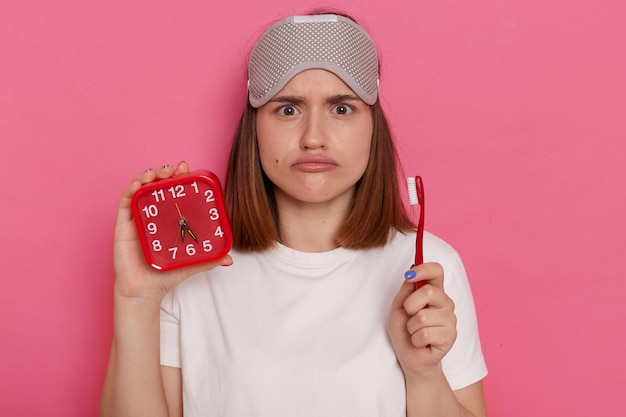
[
  {"x": 342, "y": 109},
  {"x": 288, "y": 110}
]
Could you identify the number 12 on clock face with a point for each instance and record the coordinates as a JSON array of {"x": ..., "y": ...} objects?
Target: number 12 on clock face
[{"x": 182, "y": 220}]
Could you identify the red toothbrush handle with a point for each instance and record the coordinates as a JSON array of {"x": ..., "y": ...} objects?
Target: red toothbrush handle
[{"x": 419, "y": 239}]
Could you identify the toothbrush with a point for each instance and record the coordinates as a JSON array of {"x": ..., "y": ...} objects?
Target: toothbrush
[{"x": 416, "y": 196}]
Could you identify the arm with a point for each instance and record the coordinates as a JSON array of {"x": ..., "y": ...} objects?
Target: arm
[
  {"x": 422, "y": 328},
  {"x": 173, "y": 387},
  {"x": 136, "y": 384},
  {"x": 133, "y": 385},
  {"x": 433, "y": 396}
]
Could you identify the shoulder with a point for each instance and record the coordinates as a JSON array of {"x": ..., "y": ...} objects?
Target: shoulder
[
  {"x": 435, "y": 248},
  {"x": 438, "y": 250}
]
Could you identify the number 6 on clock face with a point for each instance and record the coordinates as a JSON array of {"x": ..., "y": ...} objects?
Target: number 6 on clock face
[{"x": 182, "y": 220}]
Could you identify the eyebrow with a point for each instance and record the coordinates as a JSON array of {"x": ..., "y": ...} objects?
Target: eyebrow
[
  {"x": 341, "y": 98},
  {"x": 334, "y": 99}
]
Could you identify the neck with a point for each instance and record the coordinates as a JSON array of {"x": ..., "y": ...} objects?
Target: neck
[{"x": 311, "y": 227}]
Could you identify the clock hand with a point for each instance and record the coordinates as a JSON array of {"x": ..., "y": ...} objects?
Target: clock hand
[
  {"x": 183, "y": 228},
  {"x": 178, "y": 210},
  {"x": 182, "y": 221}
]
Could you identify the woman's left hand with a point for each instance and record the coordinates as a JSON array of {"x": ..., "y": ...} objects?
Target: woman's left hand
[{"x": 422, "y": 323}]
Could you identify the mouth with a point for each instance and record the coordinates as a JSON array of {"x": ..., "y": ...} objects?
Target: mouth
[{"x": 314, "y": 164}]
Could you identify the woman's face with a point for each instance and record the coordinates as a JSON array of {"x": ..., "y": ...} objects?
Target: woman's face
[{"x": 314, "y": 139}]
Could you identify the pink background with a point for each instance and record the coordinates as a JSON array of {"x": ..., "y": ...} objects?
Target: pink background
[{"x": 513, "y": 112}]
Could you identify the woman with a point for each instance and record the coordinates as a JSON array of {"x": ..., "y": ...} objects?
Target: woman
[{"x": 309, "y": 316}]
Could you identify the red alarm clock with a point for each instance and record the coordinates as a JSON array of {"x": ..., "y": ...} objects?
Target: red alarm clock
[{"x": 182, "y": 220}]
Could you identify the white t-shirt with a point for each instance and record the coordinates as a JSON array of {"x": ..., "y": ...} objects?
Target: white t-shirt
[{"x": 288, "y": 333}]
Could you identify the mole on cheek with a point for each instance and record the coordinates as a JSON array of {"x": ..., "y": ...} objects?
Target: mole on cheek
[{"x": 277, "y": 161}]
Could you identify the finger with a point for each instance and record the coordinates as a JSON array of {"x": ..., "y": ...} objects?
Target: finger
[
  {"x": 147, "y": 176},
  {"x": 165, "y": 171},
  {"x": 406, "y": 289},
  {"x": 396, "y": 328},
  {"x": 435, "y": 337},
  {"x": 129, "y": 191},
  {"x": 396, "y": 325},
  {"x": 124, "y": 212},
  {"x": 430, "y": 272},
  {"x": 428, "y": 296},
  {"x": 182, "y": 168},
  {"x": 420, "y": 299},
  {"x": 431, "y": 317}
]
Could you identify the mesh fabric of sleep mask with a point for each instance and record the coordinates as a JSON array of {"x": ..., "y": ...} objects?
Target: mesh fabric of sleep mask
[{"x": 295, "y": 44}]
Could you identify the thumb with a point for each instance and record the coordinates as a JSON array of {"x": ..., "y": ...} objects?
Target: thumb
[
  {"x": 398, "y": 317},
  {"x": 404, "y": 292}
]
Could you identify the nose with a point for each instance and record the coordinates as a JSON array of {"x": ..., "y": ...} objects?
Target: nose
[{"x": 315, "y": 131}]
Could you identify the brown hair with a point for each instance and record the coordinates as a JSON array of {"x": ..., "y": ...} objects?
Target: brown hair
[{"x": 377, "y": 206}]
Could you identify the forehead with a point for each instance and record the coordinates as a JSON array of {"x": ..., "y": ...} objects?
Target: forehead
[{"x": 316, "y": 82}]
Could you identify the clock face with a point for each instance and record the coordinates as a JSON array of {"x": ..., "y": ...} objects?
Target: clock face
[{"x": 182, "y": 221}]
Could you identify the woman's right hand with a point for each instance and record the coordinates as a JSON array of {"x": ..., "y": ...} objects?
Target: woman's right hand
[{"x": 134, "y": 278}]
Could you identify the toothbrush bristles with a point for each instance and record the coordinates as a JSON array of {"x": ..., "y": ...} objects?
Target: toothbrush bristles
[{"x": 412, "y": 190}]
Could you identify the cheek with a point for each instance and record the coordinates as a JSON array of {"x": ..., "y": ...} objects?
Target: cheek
[
  {"x": 270, "y": 156},
  {"x": 268, "y": 143},
  {"x": 364, "y": 159},
  {"x": 363, "y": 147},
  {"x": 266, "y": 153},
  {"x": 274, "y": 150}
]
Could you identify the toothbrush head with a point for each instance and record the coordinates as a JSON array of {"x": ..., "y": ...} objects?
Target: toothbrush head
[
  {"x": 415, "y": 190},
  {"x": 412, "y": 190}
]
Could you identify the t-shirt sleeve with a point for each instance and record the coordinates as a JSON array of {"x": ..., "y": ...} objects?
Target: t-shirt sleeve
[
  {"x": 170, "y": 331},
  {"x": 464, "y": 364}
]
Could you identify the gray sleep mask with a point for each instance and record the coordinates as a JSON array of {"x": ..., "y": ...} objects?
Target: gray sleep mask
[{"x": 298, "y": 43}]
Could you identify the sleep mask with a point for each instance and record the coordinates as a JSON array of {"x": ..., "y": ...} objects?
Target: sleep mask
[{"x": 298, "y": 43}]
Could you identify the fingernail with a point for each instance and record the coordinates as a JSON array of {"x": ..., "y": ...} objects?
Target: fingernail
[
  {"x": 226, "y": 264},
  {"x": 410, "y": 274}
]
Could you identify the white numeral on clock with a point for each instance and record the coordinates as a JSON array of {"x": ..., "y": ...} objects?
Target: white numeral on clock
[
  {"x": 209, "y": 196},
  {"x": 150, "y": 211},
  {"x": 158, "y": 195},
  {"x": 177, "y": 191}
]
